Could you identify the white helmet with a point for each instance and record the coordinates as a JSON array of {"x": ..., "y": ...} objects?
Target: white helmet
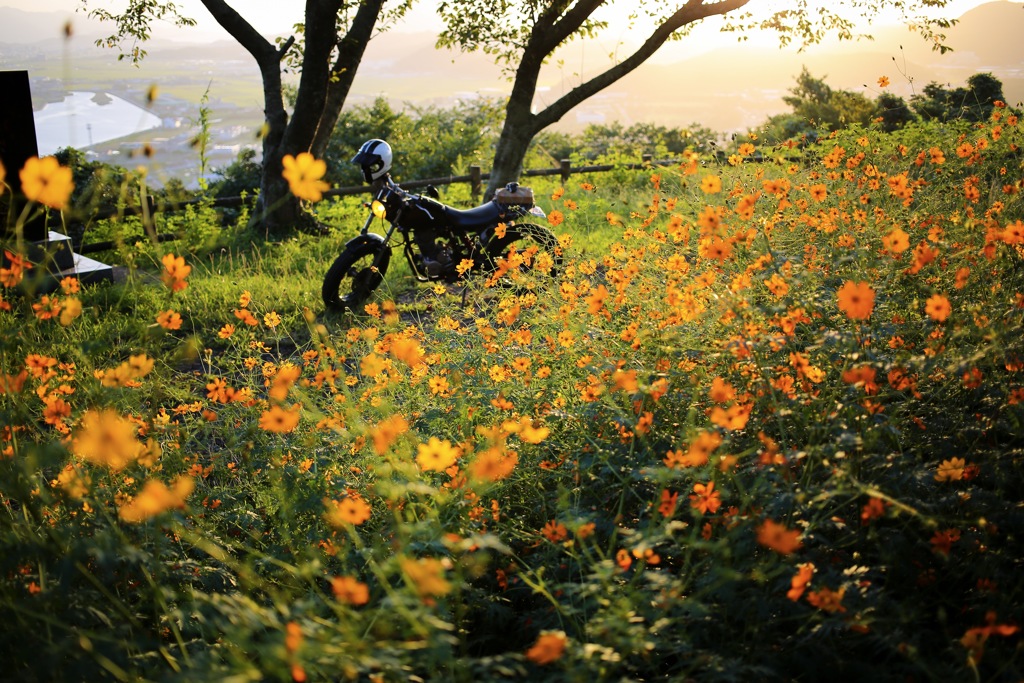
[{"x": 374, "y": 157}]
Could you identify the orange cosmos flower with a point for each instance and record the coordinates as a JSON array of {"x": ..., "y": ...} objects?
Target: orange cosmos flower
[
  {"x": 883, "y": 81},
  {"x": 734, "y": 417},
  {"x": 897, "y": 241},
  {"x": 556, "y": 217},
  {"x": 699, "y": 452},
  {"x": 277, "y": 419},
  {"x": 715, "y": 248},
  {"x": 554, "y": 531},
  {"x": 175, "y": 272},
  {"x": 493, "y": 464},
  {"x": 951, "y": 469},
  {"x": 777, "y": 285},
  {"x": 56, "y": 409},
  {"x": 827, "y": 599},
  {"x": 777, "y": 537},
  {"x": 426, "y": 576},
  {"x": 974, "y": 638},
  {"x": 408, "y": 351},
  {"x": 11, "y": 277},
  {"x": 705, "y": 498},
  {"x": 818, "y": 192},
  {"x": 13, "y": 384},
  {"x": 351, "y": 510},
  {"x": 246, "y": 317},
  {"x": 350, "y": 591},
  {"x": 304, "y": 173},
  {"x": 527, "y": 431},
  {"x": 711, "y": 184},
  {"x": 47, "y": 182},
  {"x": 798, "y": 584},
  {"x": 387, "y": 432},
  {"x": 283, "y": 381},
  {"x": 550, "y": 647},
  {"x": 169, "y": 320},
  {"x": 856, "y": 300},
  {"x": 372, "y": 365},
  {"x": 667, "y": 507},
  {"x": 937, "y": 307},
  {"x": 46, "y": 307},
  {"x": 863, "y": 376},
  {"x": 625, "y": 380},
  {"x": 596, "y": 299},
  {"x": 942, "y": 541},
  {"x": 873, "y": 509}
]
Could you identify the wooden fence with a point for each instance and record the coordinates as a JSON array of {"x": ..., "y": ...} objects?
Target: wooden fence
[{"x": 475, "y": 178}]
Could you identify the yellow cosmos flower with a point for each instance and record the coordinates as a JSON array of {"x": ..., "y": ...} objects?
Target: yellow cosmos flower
[
  {"x": 437, "y": 454},
  {"x": 157, "y": 498},
  {"x": 106, "y": 438},
  {"x": 47, "y": 182},
  {"x": 304, "y": 174}
]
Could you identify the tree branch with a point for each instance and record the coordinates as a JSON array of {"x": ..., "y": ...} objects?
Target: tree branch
[
  {"x": 350, "y": 53},
  {"x": 321, "y": 37},
  {"x": 242, "y": 31},
  {"x": 693, "y": 10},
  {"x": 560, "y": 28}
]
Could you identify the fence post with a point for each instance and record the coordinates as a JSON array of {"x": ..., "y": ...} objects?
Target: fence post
[
  {"x": 475, "y": 184},
  {"x": 566, "y": 170}
]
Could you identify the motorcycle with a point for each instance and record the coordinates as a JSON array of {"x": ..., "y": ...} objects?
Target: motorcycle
[{"x": 491, "y": 239}]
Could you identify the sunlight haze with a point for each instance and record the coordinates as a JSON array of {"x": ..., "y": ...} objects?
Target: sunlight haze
[{"x": 272, "y": 17}]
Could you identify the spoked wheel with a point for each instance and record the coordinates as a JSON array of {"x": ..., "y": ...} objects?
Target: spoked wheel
[
  {"x": 352, "y": 277},
  {"x": 523, "y": 249}
]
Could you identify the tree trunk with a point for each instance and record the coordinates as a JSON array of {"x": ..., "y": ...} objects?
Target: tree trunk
[
  {"x": 520, "y": 124},
  {"x": 322, "y": 91},
  {"x": 516, "y": 134},
  {"x": 551, "y": 29},
  {"x": 350, "y": 53}
]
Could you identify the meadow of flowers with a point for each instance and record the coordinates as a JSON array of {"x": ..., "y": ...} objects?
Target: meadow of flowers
[{"x": 771, "y": 431}]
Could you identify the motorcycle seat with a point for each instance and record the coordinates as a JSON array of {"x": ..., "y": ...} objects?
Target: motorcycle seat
[{"x": 471, "y": 219}]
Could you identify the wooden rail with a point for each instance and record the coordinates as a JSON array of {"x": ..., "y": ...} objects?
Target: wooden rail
[{"x": 475, "y": 178}]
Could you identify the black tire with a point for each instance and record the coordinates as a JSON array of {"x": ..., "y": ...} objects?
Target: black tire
[
  {"x": 351, "y": 279},
  {"x": 524, "y": 237}
]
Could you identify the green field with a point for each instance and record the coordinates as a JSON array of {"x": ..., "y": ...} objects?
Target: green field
[{"x": 763, "y": 424}]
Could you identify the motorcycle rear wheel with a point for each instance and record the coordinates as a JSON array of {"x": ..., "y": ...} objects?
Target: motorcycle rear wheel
[
  {"x": 352, "y": 278},
  {"x": 524, "y": 237}
]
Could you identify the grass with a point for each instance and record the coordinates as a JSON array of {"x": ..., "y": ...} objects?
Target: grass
[{"x": 764, "y": 425}]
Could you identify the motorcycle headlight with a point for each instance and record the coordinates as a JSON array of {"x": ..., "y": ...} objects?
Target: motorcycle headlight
[{"x": 378, "y": 209}]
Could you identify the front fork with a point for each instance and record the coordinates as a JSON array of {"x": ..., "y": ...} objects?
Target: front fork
[{"x": 392, "y": 226}]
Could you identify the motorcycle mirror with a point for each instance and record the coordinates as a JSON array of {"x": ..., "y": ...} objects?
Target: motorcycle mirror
[{"x": 378, "y": 209}]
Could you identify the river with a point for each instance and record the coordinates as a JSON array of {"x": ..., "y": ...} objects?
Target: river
[{"x": 84, "y": 119}]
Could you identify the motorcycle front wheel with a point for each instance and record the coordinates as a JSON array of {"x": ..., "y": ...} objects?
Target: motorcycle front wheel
[
  {"x": 352, "y": 277},
  {"x": 525, "y": 237}
]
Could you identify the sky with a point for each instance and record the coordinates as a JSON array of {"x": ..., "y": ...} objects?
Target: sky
[{"x": 277, "y": 16}]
